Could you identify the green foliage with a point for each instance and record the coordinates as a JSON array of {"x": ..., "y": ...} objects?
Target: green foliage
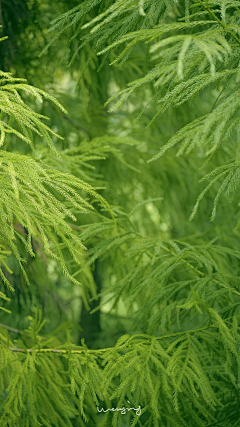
[
  {"x": 105, "y": 196},
  {"x": 28, "y": 210}
]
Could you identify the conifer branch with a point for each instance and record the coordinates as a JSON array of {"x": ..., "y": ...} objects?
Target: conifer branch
[
  {"x": 225, "y": 27},
  {"x": 201, "y": 273},
  {"x": 130, "y": 342}
]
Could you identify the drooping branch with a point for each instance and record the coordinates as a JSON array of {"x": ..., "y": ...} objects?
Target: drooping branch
[{"x": 130, "y": 342}]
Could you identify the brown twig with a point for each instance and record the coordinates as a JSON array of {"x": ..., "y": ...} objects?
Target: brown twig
[
  {"x": 16, "y": 331},
  {"x": 53, "y": 350},
  {"x": 9, "y": 328}
]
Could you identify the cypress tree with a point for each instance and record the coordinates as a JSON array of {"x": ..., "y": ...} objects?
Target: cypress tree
[{"x": 119, "y": 213}]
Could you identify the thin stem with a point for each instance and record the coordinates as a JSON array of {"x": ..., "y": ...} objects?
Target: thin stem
[
  {"x": 87, "y": 351},
  {"x": 17, "y": 331},
  {"x": 53, "y": 350},
  {"x": 9, "y": 328}
]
